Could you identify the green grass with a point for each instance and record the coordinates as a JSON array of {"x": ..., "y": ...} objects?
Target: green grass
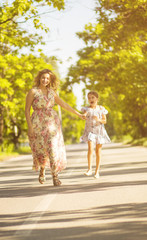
[
  {"x": 14, "y": 153},
  {"x": 127, "y": 139},
  {"x": 139, "y": 142},
  {"x": 26, "y": 150},
  {"x": 5, "y": 156},
  {"x": 135, "y": 142}
]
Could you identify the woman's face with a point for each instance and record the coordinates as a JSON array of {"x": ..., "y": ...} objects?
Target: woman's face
[
  {"x": 92, "y": 100},
  {"x": 45, "y": 79}
]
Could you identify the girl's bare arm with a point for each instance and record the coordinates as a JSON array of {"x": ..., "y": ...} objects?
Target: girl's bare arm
[{"x": 103, "y": 120}]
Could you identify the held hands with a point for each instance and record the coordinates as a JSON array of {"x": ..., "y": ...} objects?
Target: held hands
[{"x": 82, "y": 116}]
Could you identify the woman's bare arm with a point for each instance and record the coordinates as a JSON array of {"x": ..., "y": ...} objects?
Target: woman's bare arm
[
  {"x": 29, "y": 100},
  {"x": 63, "y": 104}
]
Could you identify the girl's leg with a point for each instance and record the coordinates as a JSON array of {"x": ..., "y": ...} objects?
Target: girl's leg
[
  {"x": 89, "y": 157},
  {"x": 98, "y": 158}
]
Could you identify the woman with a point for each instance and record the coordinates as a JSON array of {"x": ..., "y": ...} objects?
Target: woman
[{"x": 44, "y": 128}]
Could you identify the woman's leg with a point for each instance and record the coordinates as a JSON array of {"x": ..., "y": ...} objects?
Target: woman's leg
[
  {"x": 56, "y": 180},
  {"x": 54, "y": 172},
  {"x": 98, "y": 157},
  {"x": 42, "y": 178},
  {"x": 54, "y": 168}
]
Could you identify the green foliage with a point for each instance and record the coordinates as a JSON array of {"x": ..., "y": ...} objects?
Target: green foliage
[
  {"x": 9, "y": 151},
  {"x": 17, "y": 71},
  {"x": 17, "y": 12},
  {"x": 114, "y": 62},
  {"x": 17, "y": 79}
]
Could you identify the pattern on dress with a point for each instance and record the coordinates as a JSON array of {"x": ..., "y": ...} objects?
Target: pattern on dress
[
  {"x": 47, "y": 145},
  {"x": 94, "y": 130}
]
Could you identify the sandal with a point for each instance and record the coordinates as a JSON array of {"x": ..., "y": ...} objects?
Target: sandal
[
  {"x": 56, "y": 180},
  {"x": 42, "y": 177}
]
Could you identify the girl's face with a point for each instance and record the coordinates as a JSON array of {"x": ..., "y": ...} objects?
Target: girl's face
[
  {"x": 92, "y": 100},
  {"x": 45, "y": 79}
]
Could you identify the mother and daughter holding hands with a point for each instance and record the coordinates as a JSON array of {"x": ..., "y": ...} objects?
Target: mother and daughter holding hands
[{"x": 44, "y": 127}]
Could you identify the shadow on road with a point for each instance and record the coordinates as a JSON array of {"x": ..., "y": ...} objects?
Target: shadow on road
[
  {"x": 31, "y": 191},
  {"x": 134, "y": 229},
  {"x": 109, "y": 222},
  {"x": 24, "y": 183}
]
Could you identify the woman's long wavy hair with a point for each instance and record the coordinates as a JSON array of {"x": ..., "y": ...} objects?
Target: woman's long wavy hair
[{"x": 54, "y": 83}]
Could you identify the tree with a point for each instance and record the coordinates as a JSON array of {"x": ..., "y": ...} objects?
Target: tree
[
  {"x": 17, "y": 71},
  {"x": 19, "y": 75},
  {"x": 114, "y": 62},
  {"x": 13, "y": 15}
]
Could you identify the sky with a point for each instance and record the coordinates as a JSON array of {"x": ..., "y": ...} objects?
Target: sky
[{"x": 61, "y": 41}]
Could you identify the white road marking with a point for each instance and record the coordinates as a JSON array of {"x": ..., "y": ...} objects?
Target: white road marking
[{"x": 41, "y": 208}]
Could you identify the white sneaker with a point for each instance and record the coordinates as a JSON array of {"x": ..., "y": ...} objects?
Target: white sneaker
[
  {"x": 96, "y": 175},
  {"x": 88, "y": 173}
]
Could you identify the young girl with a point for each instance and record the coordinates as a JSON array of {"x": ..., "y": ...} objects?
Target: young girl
[
  {"x": 94, "y": 132},
  {"x": 44, "y": 128}
]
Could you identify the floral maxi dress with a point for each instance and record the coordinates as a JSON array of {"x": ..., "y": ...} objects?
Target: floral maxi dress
[
  {"x": 47, "y": 145},
  {"x": 95, "y": 131}
]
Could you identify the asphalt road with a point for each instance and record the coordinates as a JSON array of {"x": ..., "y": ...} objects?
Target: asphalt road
[{"x": 113, "y": 207}]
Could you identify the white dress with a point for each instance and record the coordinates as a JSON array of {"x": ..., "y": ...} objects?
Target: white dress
[{"x": 95, "y": 131}]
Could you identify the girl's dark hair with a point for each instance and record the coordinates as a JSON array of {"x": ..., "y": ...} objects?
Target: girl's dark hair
[
  {"x": 54, "y": 83},
  {"x": 93, "y": 93}
]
